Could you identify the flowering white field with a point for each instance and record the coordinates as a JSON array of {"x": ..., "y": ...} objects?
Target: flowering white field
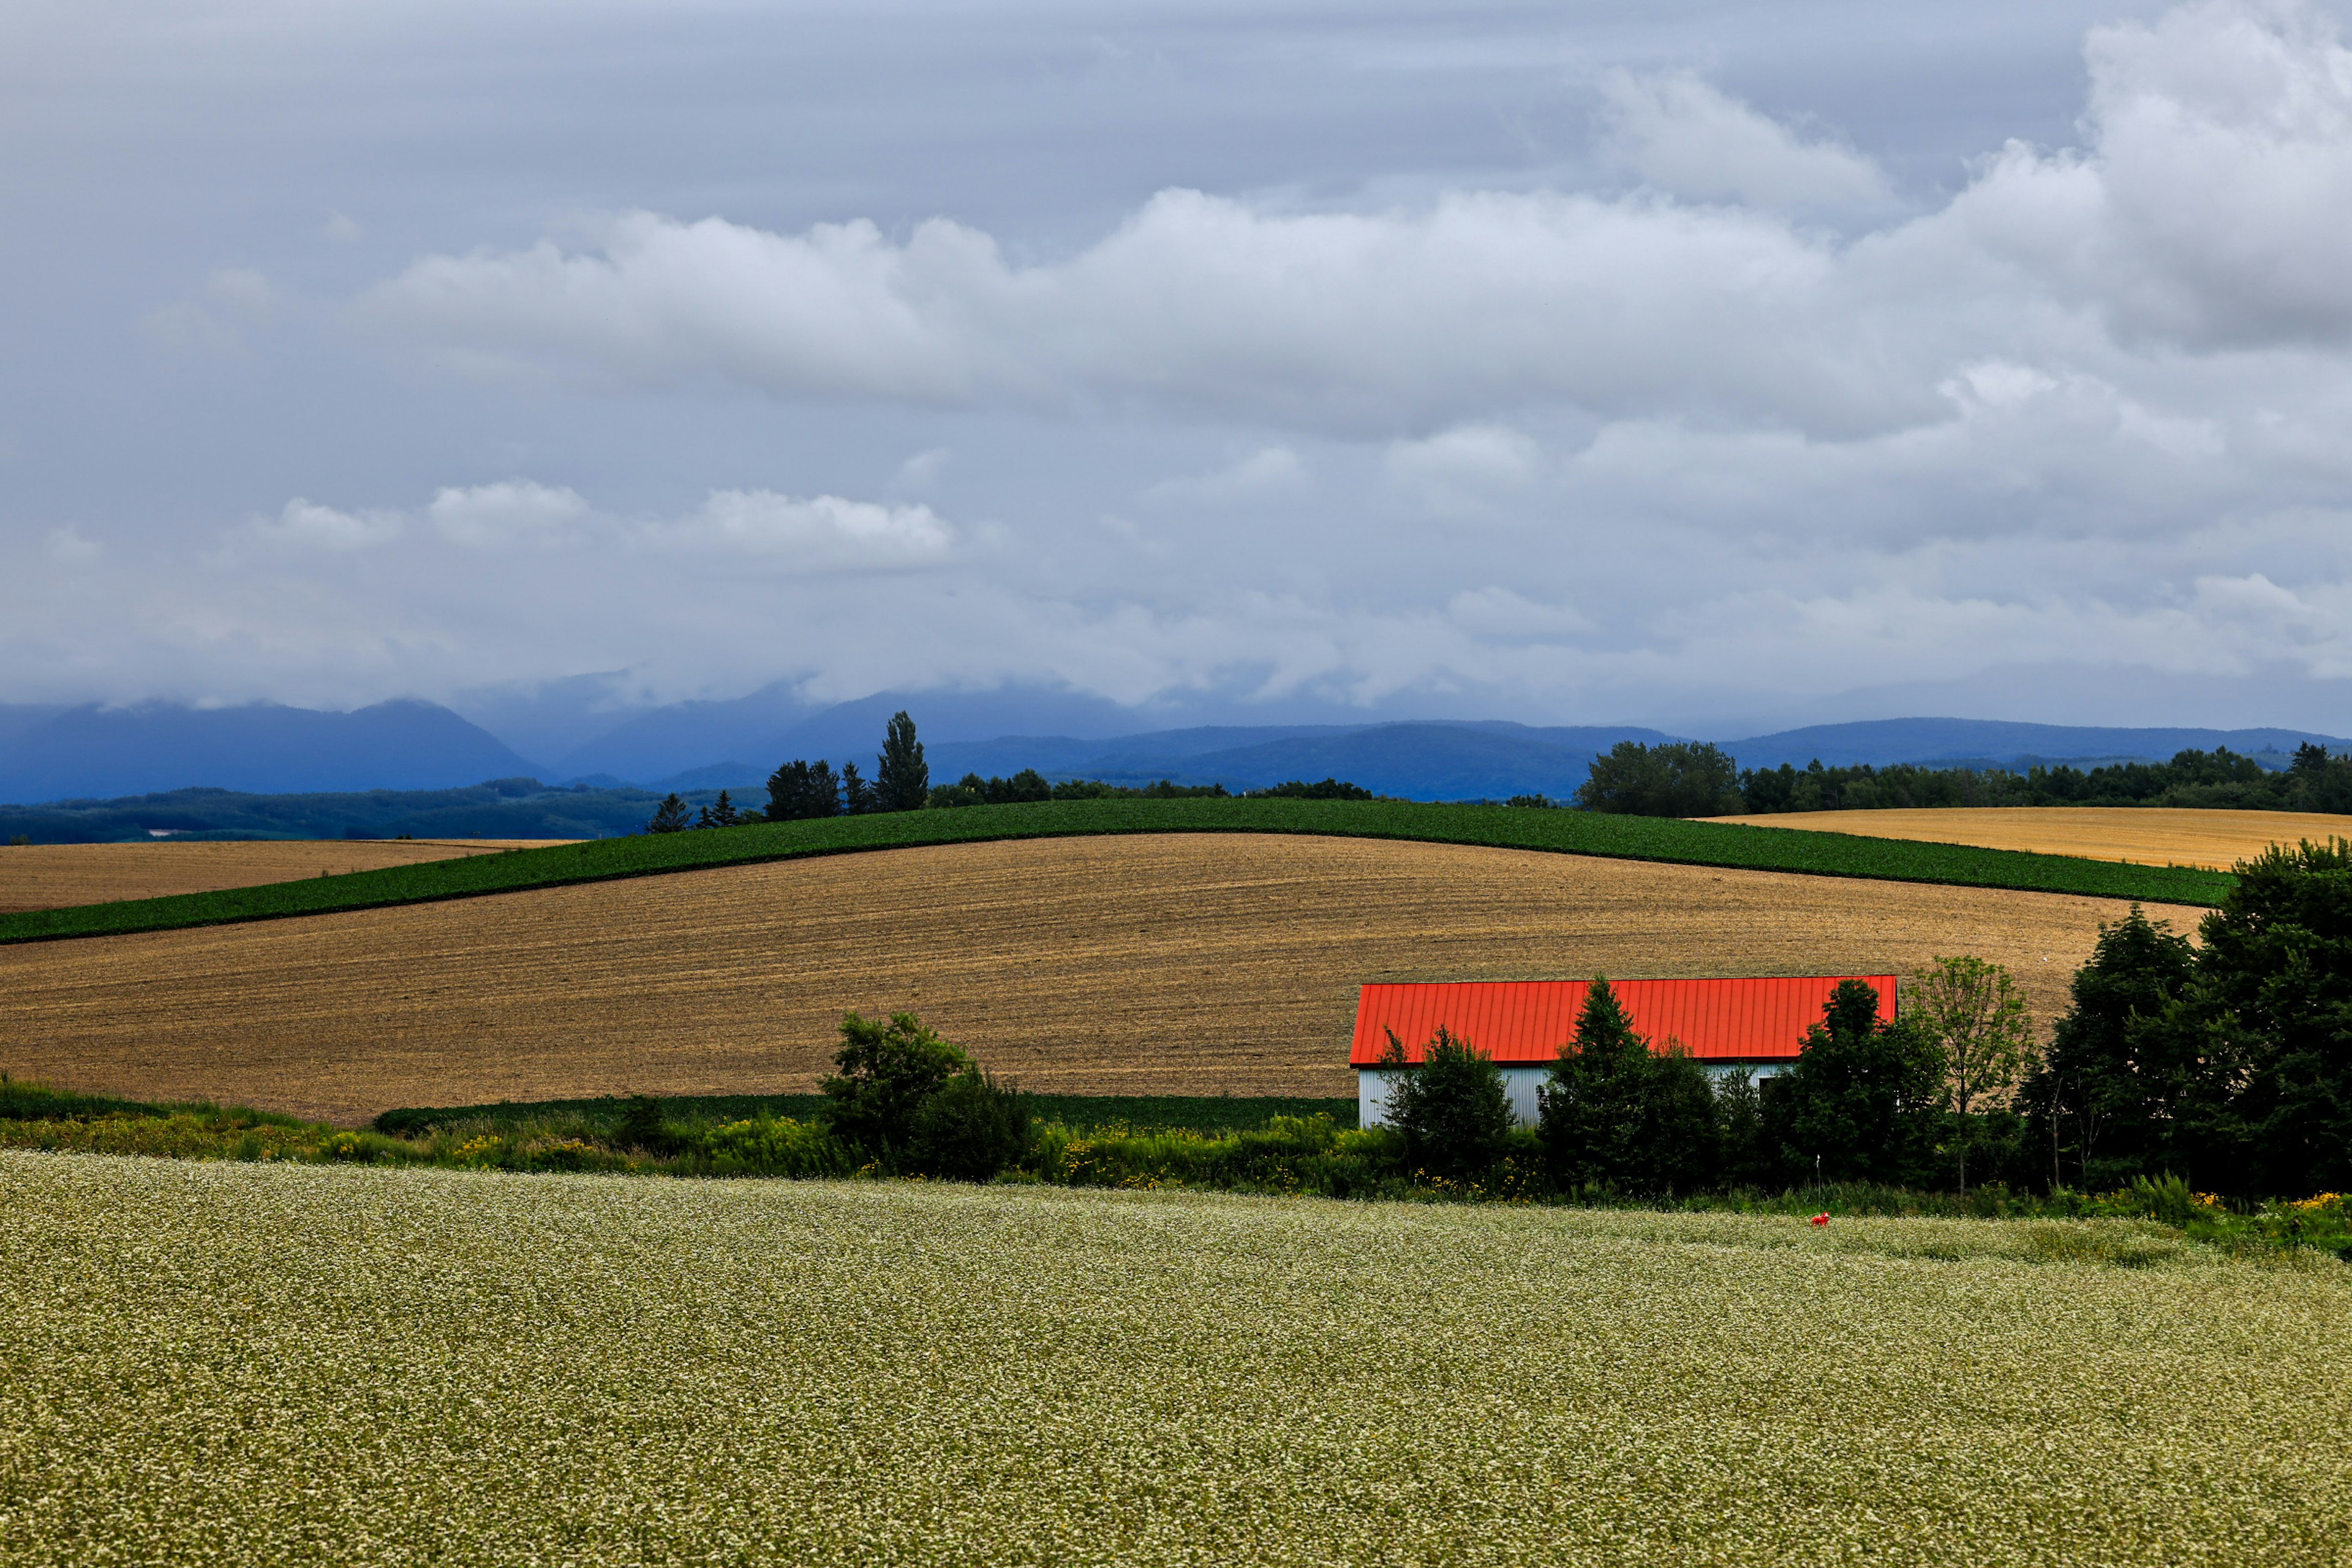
[{"x": 284, "y": 1363}]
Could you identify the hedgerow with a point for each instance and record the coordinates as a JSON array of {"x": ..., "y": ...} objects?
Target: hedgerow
[{"x": 1560, "y": 832}]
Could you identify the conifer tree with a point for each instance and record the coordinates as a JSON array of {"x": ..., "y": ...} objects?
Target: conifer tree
[
  {"x": 901, "y": 778},
  {"x": 669, "y": 816}
]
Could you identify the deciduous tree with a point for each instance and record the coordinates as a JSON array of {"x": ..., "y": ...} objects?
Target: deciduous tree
[{"x": 1971, "y": 1011}]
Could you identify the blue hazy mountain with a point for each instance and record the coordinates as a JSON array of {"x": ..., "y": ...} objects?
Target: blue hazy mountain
[
  {"x": 51, "y": 753},
  {"x": 772, "y": 726},
  {"x": 1986, "y": 740},
  {"x": 262, "y": 747},
  {"x": 1418, "y": 760}
]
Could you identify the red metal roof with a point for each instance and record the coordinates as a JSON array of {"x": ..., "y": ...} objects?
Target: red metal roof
[{"x": 1527, "y": 1021}]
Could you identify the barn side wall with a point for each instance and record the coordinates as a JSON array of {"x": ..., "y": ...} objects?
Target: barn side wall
[{"x": 1520, "y": 1083}]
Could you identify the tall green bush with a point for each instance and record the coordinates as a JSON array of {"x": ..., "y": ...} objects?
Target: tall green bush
[
  {"x": 1451, "y": 1107},
  {"x": 1617, "y": 1113},
  {"x": 886, "y": 1071},
  {"x": 969, "y": 1128},
  {"x": 1863, "y": 1102}
]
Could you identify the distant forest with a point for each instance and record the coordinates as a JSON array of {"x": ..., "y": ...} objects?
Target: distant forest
[
  {"x": 1695, "y": 779},
  {"x": 2315, "y": 781}
]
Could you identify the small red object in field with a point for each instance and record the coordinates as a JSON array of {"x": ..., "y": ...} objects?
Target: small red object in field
[{"x": 1820, "y": 1219}]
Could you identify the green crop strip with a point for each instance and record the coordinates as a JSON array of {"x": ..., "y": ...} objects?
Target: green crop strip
[{"x": 1555, "y": 832}]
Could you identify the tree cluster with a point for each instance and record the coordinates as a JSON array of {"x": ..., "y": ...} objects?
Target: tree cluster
[
  {"x": 800, "y": 790},
  {"x": 910, "y": 1101},
  {"x": 1676, "y": 778},
  {"x": 2227, "y": 1063},
  {"x": 2315, "y": 781},
  {"x": 1864, "y": 1102}
]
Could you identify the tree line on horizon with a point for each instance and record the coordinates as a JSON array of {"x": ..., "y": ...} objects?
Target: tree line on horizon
[
  {"x": 1698, "y": 779},
  {"x": 800, "y": 790}
]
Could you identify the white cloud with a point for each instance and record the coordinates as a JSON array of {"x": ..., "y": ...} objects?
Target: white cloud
[
  {"x": 303, "y": 524},
  {"x": 1463, "y": 471},
  {"x": 1685, "y": 137},
  {"x": 2212, "y": 205},
  {"x": 1265, "y": 475},
  {"x": 215, "y": 318},
  {"x": 922, "y": 471},
  {"x": 68, "y": 548},
  {"x": 821, "y": 532},
  {"x": 512, "y": 511}
]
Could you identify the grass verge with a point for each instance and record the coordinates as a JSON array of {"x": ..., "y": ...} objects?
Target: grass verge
[
  {"x": 281, "y": 1364},
  {"x": 1279, "y": 1147},
  {"x": 1559, "y": 832},
  {"x": 1141, "y": 1114}
]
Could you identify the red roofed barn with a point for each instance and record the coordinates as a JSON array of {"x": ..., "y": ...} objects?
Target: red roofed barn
[{"x": 1728, "y": 1024}]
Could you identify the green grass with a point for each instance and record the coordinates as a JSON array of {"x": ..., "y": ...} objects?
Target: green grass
[
  {"x": 223, "y": 1363},
  {"x": 1143, "y": 1113},
  {"x": 1562, "y": 832}
]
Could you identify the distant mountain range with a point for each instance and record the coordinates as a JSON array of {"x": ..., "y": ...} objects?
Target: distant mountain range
[
  {"x": 50, "y": 753},
  {"x": 63, "y": 753}
]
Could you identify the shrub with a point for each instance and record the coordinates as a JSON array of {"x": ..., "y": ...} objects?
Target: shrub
[
  {"x": 641, "y": 1127},
  {"x": 1330, "y": 789},
  {"x": 887, "y": 1071},
  {"x": 969, "y": 1130},
  {"x": 771, "y": 1146},
  {"x": 1451, "y": 1107}
]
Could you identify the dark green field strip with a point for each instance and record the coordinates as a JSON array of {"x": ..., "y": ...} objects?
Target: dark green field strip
[
  {"x": 1559, "y": 832},
  {"x": 1141, "y": 1114}
]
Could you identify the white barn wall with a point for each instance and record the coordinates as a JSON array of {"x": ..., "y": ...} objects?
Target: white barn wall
[{"x": 1521, "y": 1084}]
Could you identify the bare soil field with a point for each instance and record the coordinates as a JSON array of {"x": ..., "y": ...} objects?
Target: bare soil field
[
  {"x": 2146, "y": 836},
  {"x": 54, "y": 875},
  {"x": 1151, "y": 965}
]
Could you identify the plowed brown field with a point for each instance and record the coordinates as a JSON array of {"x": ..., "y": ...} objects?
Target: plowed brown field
[
  {"x": 53, "y": 876},
  {"x": 1176, "y": 963},
  {"x": 2146, "y": 835}
]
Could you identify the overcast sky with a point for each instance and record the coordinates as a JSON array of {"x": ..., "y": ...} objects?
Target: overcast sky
[{"x": 1714, "y": 366}]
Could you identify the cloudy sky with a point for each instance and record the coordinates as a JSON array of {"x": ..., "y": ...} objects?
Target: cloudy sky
[{"x": 1709, "y": 365}]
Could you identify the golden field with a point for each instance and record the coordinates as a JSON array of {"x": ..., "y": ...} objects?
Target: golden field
[
  {"x": 2145, "y": 836},
  {"x": 53, "y": 876},
  {"x": 1169, "y": 964}
]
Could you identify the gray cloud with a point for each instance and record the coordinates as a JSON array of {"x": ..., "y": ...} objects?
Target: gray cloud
[{"x": 1671, "y": 389}]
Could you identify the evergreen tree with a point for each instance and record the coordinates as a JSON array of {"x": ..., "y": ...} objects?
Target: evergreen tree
[
  {"x": 2102, "y": 1098},
  {"x": 1590, "y": 1116},
  {"x": 798, "y": 789},
  {"x": 1861, "y": 1103},
  {"x": 1451, "y": 1106},
  {"x": 1619, "y": 1113},
  {"x": 902, "y": 780},
  {"x": 2261, "y": 1044},
  {"x": 722, "y": 813},
  {"x": 669, "y": 816},
  {"x": 856, "y": 795}
]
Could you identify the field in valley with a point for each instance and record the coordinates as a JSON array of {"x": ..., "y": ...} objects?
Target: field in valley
[
  {"x": 275, "y": 1364},
  {"x": 58, "y": 876},
  {"x": 1171, "y": 964},
  {"x": 2141, "y": 834}
]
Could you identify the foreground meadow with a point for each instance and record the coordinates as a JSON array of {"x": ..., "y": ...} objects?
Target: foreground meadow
[{"x": 258, "y": 1363}]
